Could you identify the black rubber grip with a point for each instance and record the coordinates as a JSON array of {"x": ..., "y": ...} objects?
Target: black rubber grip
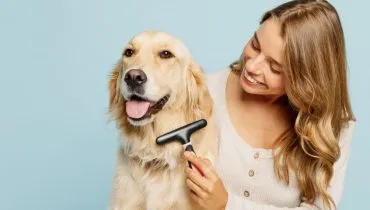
[{"x": 189, "y": 148}]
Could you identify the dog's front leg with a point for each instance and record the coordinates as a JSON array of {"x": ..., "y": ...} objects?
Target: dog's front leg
[
  {"x": 168, "y": 193},
  {"x": 126, "y": 194}
]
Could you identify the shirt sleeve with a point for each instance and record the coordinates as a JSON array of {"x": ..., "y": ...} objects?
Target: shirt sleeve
[{"x": 335, "y": 188}]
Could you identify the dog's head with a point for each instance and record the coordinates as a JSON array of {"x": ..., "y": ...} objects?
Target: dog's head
[{"x": 156, "y": 72}]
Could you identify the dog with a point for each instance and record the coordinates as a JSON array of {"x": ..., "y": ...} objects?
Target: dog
[{"x": 156, "y": 87}]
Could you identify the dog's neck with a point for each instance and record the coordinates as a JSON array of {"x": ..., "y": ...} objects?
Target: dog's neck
[
  {"x": 151, "y": 157},
  {"x": 141, "y": 145},
  {"x": 151, "y": 165}
]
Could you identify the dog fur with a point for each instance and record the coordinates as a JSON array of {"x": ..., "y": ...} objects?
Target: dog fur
[{"x": 149, "y": 176}]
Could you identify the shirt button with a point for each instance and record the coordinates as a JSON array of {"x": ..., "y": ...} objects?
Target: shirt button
[
  {"x": 256, "y": 155},
  {"x": 251, "y": 173},
  {"x": 246, "y": 193}
]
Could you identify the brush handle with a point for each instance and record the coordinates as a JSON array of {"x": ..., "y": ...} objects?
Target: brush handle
[
  {"x": 189, "y": 148},
  {"x": 182, "y": 135}
]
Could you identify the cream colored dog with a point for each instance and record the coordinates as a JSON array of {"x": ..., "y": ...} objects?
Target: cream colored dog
[{"x": 156, "y": 87}]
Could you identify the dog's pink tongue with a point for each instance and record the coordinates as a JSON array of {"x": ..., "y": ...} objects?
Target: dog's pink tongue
[{"x": 137, "y": 109}]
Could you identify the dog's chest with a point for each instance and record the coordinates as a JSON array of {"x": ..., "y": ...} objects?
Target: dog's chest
[{"x": 165, "y": 189}]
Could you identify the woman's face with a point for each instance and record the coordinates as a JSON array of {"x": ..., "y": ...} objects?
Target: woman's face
[{"x": 263, "y": 71}]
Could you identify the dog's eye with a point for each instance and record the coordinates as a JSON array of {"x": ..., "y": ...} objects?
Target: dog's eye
[
  {"x": 128, "y": 52},
  {"x": 165, "y": 54}
]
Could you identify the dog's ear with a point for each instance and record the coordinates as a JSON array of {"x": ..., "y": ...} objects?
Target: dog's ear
[
  {"x": 114, "y": 86},
  {"x": 200, "y": 101}
]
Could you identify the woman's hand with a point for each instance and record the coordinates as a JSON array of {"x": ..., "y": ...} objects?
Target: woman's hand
[{"x": 207, "y": 190}]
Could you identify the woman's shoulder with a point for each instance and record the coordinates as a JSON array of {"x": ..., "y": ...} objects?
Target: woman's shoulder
[
  {"x": 346, "y": 133},
  {"x": 218, "y": 73},
  {"x": 216, "y": 78},
  {"x": 216, "y": 82}
]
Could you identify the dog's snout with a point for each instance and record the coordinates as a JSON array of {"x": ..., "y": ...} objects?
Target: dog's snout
[{"x": 135, "y": 77}]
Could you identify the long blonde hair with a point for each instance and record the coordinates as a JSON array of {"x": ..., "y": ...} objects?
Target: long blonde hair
[{"x": 316, "y": 88}]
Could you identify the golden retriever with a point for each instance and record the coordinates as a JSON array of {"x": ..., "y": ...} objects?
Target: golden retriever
[{"x": 156, "y": 87}]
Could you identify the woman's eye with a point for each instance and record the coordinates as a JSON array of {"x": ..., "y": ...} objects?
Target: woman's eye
[
  {"x": 128, "y": 52},
  {"x": 255, "y": 45},
  {"x": 165, "y": 54},
  {"x": 274, "y": 70}
]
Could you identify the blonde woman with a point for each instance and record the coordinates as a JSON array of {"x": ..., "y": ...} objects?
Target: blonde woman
[{"x": 285, "y": 116}]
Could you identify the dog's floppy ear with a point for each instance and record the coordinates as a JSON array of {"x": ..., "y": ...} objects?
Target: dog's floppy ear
[
  {"x": 114, "y": 87},
  {"x": 200, "y": 101}
]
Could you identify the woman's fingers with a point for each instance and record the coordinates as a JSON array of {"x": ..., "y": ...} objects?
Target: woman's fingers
[
  {"x": 207, "y": 161},
  {"x": 204, "y": 165},
  {"x": 202, "y": 182},
  {"x": 196, "y": 198},
  {"x": 195, "y": 188}
]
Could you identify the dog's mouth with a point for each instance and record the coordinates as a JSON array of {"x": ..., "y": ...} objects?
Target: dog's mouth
[{"x": 139, "y": 108}]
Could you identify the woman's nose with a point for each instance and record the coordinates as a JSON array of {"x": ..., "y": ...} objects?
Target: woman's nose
[{"x": 255, "y": 65}]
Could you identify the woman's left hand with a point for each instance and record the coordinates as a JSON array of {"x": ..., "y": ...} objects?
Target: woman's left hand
[{"x": 207, "y": 189}]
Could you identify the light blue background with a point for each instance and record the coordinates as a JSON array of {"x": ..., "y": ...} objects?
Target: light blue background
[{"x": 57, "y": 151}]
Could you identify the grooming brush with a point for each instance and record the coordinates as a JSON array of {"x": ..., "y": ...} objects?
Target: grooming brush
[{"x": 182, "y": 135}]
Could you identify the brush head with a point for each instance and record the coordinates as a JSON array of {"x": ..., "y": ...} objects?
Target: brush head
[{"x": 181, "y": 134}]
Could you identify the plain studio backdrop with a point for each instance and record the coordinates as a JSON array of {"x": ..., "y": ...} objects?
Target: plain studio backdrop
[{"x": 57, "y": 149}]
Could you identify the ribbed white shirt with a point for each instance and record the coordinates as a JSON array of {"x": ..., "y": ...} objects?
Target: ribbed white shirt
[{"x": 248, "y": 172}]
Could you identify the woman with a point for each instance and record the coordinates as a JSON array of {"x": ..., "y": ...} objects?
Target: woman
[{"x": 286, "y": 116}]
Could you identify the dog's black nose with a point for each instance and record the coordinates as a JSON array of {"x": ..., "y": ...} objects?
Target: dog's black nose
[{"x": 135, "y": 77}]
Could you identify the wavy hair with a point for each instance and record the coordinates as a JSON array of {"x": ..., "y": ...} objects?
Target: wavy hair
[{"x": 316, "y": 87}]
